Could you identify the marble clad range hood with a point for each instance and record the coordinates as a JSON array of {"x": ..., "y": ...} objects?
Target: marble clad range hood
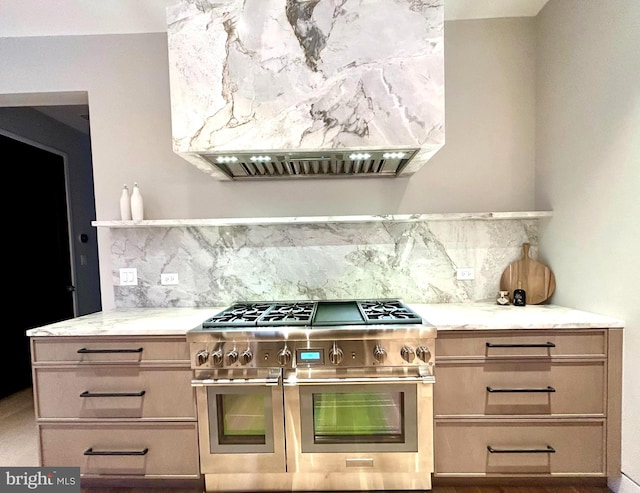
[{"x": 267, "y": 89}]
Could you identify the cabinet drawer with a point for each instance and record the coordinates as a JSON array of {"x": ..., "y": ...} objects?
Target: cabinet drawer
[
  {"x": 463, "y": 448},
  {"x": 154, "y": 450},
  {"x": 528, "y": 387},
  {"x": 111, "y": 349},
  {"x": 497, "y": 344},
  {"x": 131, "y": 392}
]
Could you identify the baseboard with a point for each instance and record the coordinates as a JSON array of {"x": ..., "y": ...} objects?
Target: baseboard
[
  {"x": 519, "y": 481},
  {"x": 195, "y": 485}
]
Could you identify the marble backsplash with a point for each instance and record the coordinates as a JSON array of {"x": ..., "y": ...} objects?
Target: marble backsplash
[{"x": 414, "y": 261}]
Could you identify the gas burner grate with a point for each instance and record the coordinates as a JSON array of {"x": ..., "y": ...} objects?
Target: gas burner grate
[
  {"x": 289, "y": 313},
  {"x": 238, "y": 315},
  {"x": 388, "y": 311},
  {"x": 313, "y": 313}
]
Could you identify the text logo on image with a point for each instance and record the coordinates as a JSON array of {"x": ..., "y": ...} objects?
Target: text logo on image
[{"x": 40, "y": 479}]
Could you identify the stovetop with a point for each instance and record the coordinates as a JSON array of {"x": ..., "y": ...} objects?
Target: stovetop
[
  {"x": 338, "y": 334},
  {"x": 313, "y": 314}
]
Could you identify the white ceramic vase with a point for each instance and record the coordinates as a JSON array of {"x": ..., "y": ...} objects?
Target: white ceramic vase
[
  {"x": 125, "y": 204},
  {"x": 137, "y": 207}
]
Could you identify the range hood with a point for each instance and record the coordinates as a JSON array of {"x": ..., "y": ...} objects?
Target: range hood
[{"x": 271, "y": 89}]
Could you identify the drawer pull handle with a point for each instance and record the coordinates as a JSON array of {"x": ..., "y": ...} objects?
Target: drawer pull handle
[
  {"x": 548, "y": 450},
  {"x": 86, "y": 393},
  {"x": 546, "y": 389},
  {"x": 544, "y": 344},
  {"x": 359, "y": 462},
  {"x": 84, "y": 350},
  {"x": 90, "y": 451}
]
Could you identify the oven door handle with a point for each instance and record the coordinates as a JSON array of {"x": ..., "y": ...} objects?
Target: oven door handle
[
  {"x": 236, "y": 382},
  {"x": 292, "y": 381}
]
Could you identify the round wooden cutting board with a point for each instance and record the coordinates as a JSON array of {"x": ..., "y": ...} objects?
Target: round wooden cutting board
[{"x": 534, "y": 277}]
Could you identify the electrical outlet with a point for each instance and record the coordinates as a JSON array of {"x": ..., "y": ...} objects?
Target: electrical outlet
[
  {"x": 465, "y": 274},
  {"x": 129, "y": 277},
  {"x": 168, "y": 279}
]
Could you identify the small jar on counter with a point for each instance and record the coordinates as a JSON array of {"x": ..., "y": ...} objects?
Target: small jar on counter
[
  {"x": 503, "y": 298},
  {"x": 519, "y": 296}
]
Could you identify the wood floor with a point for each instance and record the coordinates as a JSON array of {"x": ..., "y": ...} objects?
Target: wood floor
[
  {"x": 18, "y": 437},
  {"x": 436, "y": 489},
  {"x": 521, "y": 489},
  {"x": 18, "y": 447}
]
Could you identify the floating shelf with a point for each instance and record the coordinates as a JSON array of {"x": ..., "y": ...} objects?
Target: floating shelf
[{"x": 244, "y": 221}]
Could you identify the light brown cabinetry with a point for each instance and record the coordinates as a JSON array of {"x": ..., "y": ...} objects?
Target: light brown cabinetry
[
  {"x": 117, "y": 407},
  {"x": 527, "y": 403}
]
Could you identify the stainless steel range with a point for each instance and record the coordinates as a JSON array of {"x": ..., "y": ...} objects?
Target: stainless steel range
[{"x": 315, "y": 396}]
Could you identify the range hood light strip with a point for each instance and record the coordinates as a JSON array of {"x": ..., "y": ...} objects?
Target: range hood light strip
[
  {"x": 393, "y": 155},
  {"x": 260, "y": 159},
  {"x": 227, "y": 159},
  {"x": 359, "y": 156}
]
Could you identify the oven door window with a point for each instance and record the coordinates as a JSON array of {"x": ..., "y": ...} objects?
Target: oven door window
[
  {"x": 358, "y": 418},
  {"x": 240, "y": 419}
]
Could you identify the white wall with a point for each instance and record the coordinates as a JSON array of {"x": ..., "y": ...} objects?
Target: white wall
[
  {"x": 486, "y": 165},
  {"x": 588, "y": 172}
]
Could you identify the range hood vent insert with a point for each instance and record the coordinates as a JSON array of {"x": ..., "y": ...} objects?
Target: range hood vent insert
[
  {"x": 306, "y": 82},
  {"x": 312, "y": 165}
]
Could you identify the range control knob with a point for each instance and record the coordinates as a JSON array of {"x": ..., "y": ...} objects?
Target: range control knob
[
  {"x": 335, "y": 355},
  {"x": 407, "y": 354},
  {"x": 379, "y": 354},
  {"x": 284, "y": 356},
  {"x": 217, "y": 358},
  {"x": 423, "y": 353},
  {"x": 201, "y": 357},
  {"x": 232, "y": 357},
  {"x": 246, "y": 356}
]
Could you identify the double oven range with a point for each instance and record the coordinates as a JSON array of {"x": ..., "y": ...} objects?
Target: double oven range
[{"x": 315, "y": 395}]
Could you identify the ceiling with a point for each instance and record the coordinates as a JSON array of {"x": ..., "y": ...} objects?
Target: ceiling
[{"x": 80, "y": 17}]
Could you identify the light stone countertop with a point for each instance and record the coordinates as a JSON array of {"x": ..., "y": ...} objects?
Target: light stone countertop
[
  {"x": 491, "y": 316},
  {"x": 444, "y": 316},
  {"x": 129, "y": 321}
]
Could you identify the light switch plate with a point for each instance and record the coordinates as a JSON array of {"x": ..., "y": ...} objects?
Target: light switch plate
[
  {"x": 129, "y": 277},
  {"x": 168, "y": 278},
  {"x": 465, "y": 274}
]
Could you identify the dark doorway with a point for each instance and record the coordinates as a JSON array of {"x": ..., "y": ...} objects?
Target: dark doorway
[{"x": 39, "y": 261}]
